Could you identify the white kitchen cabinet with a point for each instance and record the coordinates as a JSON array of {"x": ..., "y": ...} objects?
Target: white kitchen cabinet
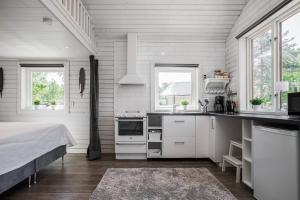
[
  {"x": 202, "y": 136},
  {"x": 221, "y": 131},
  {"x": 179, "y": 136},
  {"x": 179, "y": 147},
  {"x": 179, "y": 126},
  {"x": 212, "y": 138}
]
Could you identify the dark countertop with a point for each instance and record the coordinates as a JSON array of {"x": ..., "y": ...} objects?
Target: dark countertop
[
  {"x": 282, "y": 119},
  {"x": 285, "y": 119},
  {"x": 178, "y": 113}
]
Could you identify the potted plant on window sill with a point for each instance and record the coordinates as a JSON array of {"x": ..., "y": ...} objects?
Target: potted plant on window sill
[
  {"x": 184, "y": 103},
  {"x": 53, "y": 104},
  {"x": 36, "y": 104},
  {"x": 256, "y": 103}
]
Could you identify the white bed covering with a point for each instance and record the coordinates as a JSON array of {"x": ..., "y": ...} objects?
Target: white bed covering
[{"x": 22, "y": 142}]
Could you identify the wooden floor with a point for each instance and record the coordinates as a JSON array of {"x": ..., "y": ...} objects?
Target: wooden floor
[{"x": 78, "y": 178}]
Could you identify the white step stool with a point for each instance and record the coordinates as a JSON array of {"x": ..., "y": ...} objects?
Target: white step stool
[{"x": 232, "y": 160}]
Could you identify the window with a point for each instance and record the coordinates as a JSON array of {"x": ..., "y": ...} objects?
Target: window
[
  {"x": 270, "y": 56},
  {"x": 262, "y": 68},
  {"x": 175, "y": 84},
  {"x": 42, "y": 87},
  {"x": 290, "y": 51}
]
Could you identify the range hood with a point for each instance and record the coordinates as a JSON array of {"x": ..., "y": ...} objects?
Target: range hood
[{"x": 131, "y": 78}]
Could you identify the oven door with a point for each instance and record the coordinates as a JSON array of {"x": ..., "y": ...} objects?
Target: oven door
[{"x": 130, "y": 129}]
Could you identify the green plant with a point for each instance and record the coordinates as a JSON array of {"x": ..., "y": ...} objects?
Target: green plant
[
  {"x": 48, "y": 86},
  {"x": 257, "y": 101},
  {"x": 36, "y": 102},
  {"x": 184, "y": 102},
  {"x": 53, "y": 103}
]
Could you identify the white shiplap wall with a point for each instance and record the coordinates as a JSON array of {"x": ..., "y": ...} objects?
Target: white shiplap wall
[
  {"x": 112, "y": 54},
  {"x": 254, "y": 10},
  {"x": 105, "y": 55},
  {"x": 77, "y": 120},
  {"x": 209, "y": 55}
]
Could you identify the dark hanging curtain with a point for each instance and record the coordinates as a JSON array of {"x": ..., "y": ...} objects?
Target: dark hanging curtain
[{"x": 94, "y": 149}]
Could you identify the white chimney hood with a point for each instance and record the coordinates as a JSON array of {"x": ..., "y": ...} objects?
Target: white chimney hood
[{"x": 131, "y": 78}]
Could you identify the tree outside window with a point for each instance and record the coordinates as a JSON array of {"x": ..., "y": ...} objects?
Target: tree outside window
[
  {"x": 48, "y": 88},
  {"x": 262, "y": 68},
  {"x": 290, "y": 48},
  {"x": 42, "y": 88}
]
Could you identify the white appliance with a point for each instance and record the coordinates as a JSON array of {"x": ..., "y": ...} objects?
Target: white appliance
[
  {"x": 130, "y": 135},
  {"x": 275, "y": 163}
]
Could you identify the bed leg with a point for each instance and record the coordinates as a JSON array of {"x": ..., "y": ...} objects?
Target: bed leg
[
  {"x": 29, "y": 182},
  {"x": 34, "y": 178},
  {"x": 62, "y": 160}
]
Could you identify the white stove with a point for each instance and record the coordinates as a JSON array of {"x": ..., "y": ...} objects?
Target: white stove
[{"x": 130, "y": 135}]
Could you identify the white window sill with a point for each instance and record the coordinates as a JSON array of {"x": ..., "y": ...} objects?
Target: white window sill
[
  {"x": 43, "y": 112},
  {"x": 177, "y": 110}
]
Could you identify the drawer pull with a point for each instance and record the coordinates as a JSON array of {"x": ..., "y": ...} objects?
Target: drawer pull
[
  {"x": 179, "y": 121},
  {"x": 178, "y": 142}
]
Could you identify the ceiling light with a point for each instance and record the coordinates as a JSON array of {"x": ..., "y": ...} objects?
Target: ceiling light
[{"x": 67, "y": 47}]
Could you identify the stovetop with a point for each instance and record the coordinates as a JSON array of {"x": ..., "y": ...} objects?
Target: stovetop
[{"x": 130, "y": 114}]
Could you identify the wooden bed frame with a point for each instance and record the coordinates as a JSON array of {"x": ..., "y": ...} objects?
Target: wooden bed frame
[{"x": 10, "y": 179}]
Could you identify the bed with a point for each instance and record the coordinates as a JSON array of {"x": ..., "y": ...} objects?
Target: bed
[{"x": 26, "y": 148}]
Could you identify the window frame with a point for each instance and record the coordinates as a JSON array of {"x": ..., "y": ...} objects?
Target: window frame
[
  {"x": 155, "y": 107},
  {"x": 250, "y": 58},
  {"x": 245, "y": 57},
  {"x": 65, "y": 69}
]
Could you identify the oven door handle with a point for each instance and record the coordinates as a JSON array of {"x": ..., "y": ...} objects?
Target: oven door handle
[
  {"x": 130, "y": 143},
  {"x": 130, "y": 120}
]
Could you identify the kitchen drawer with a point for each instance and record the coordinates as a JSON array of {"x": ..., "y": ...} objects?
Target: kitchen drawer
[
  {"x": 179, "y": 147},
  {"x": 126, "y": 147},
  {"x": 179, "y": 126}
]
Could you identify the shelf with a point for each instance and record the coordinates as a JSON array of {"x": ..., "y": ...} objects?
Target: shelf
[
  {"x": 247, "y": 173},
  {"x": 216, "y": 85},
  {"x": 247, "y": 129},
  {"x": 154, "y": 157},
  {"x": 154, "y": 153},
  {"x": 154, "y": 141},
  {"x": 247, "y": 149},
  {"x": 248, "y": 183},
  {"x": 247, "y": 139},
  {"x": 154, "y": 127},
  {"x": 247, "y": 159}
]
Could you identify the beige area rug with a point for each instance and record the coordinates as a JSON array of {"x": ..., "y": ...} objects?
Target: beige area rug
[{"x": 160, "y": 183}]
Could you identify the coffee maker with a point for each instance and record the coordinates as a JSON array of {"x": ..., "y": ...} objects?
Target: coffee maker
[{"x": 219, "y": 104}]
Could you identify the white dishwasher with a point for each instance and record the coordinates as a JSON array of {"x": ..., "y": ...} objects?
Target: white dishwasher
[{"x": 275, "y": 163}]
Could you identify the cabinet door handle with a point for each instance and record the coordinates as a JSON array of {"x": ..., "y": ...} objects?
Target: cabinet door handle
[
  {"x": 179, "y": 121},
  {"x": 178, "y": 142},
  {"x": 212, "y": 124}
]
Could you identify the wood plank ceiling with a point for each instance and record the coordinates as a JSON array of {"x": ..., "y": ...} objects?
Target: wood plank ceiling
[
  {"x": 24, "y": 35},
  {"x": 170, "y": 19}
]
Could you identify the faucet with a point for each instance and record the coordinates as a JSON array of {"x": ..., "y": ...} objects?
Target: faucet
[{"x": 203, "y": 106}]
